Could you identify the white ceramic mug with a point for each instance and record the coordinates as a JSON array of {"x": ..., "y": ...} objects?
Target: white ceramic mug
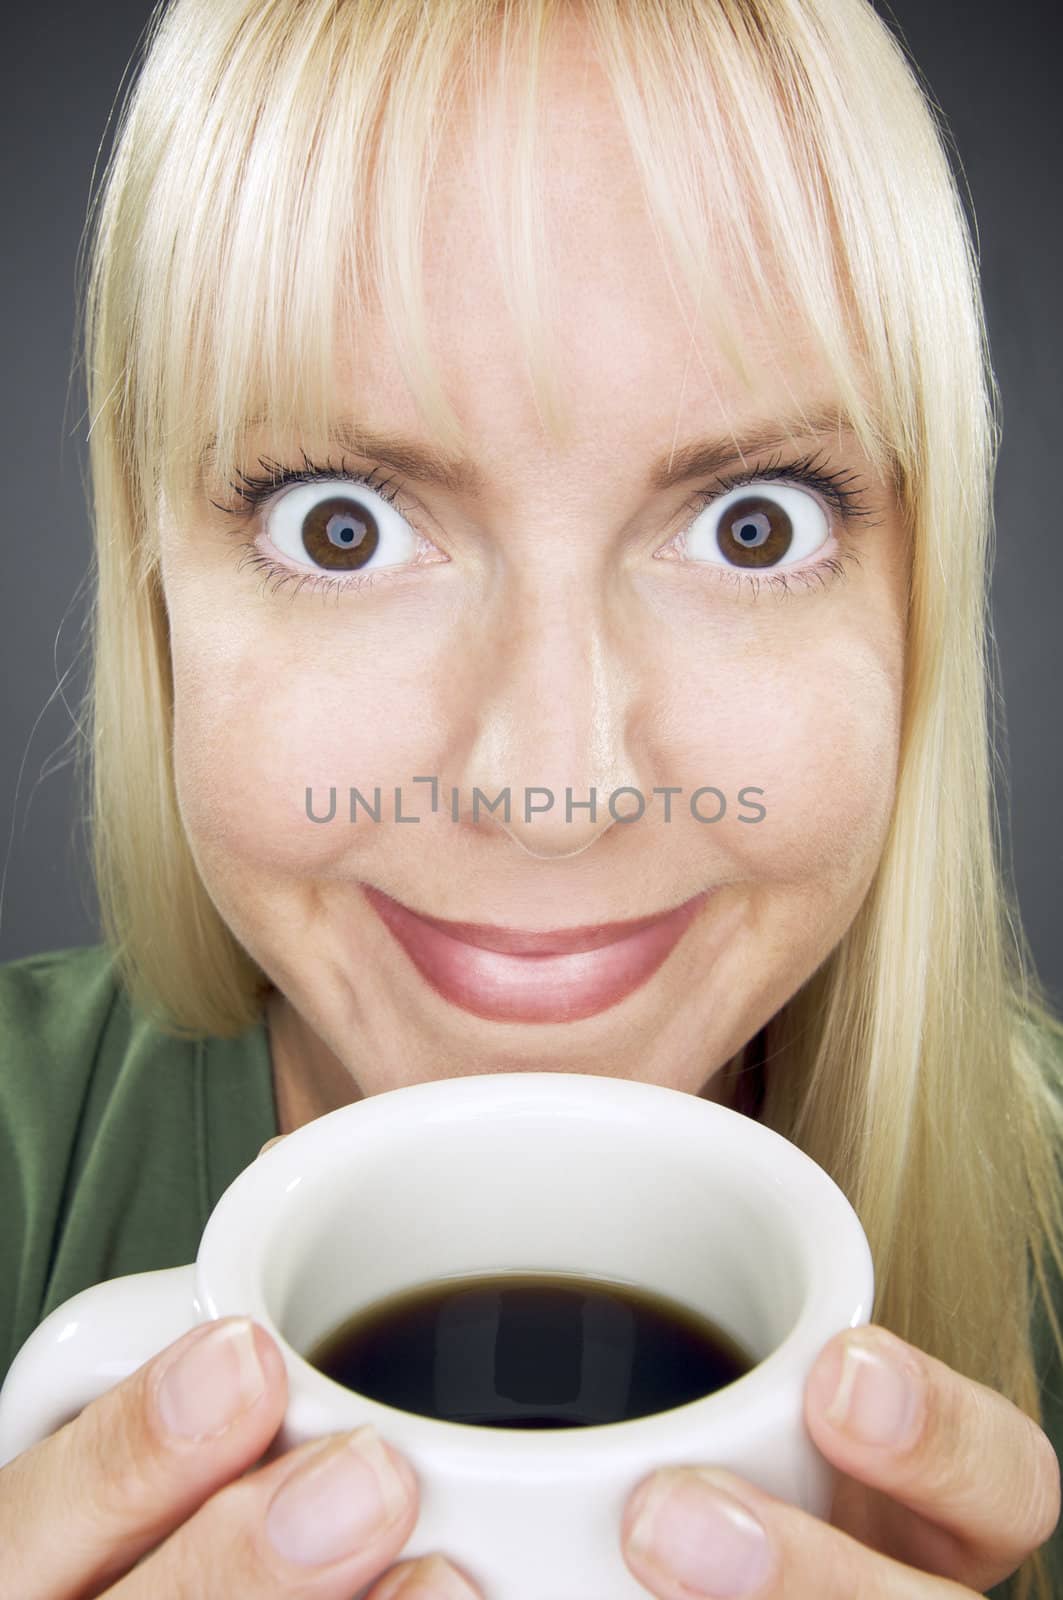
[{"x": 506, "y": 1172}]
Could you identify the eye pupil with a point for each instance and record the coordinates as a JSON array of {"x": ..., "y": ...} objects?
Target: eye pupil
[{"x": 341, "y": 531}]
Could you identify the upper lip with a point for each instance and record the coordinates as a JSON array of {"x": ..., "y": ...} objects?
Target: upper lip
[{"x": 553, "y": 941}]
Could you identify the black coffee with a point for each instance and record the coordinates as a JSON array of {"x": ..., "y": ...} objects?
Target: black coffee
[{"x": 530, "y": 1350}]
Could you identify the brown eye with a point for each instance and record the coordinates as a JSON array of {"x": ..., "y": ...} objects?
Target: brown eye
[
  {"x": 339, "y": 533},
  {"x": 756, "y": 532},
  {"x": 339, "y": 527},
  {"x": 765, "y": 527}
]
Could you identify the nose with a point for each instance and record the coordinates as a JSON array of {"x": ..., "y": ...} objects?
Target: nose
[{"x": 556, "y": 720}]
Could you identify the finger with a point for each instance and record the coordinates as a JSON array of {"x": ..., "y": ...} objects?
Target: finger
[
  {"x": 430, "y": 1578},
  {"x": 319, "y": 1523},
  {"x": 139, "y": 1460},
  {"x": 276, "y": 1140},
  {"x": 955, "y": 1453},
  {"x": 704, "y": 1531}
]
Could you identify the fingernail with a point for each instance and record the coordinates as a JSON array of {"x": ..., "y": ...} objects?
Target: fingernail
[
  {"x": 212, "y": 1381},
  {"x": 878, "y": 1401},
  {"x": 431, "y": 1578},
  {"x": 344, "y": 1496},
  {"x": 701, "y": 1537}
]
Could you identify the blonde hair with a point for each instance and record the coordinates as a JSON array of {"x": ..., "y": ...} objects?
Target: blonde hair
[{"x": 268, "y": 181}]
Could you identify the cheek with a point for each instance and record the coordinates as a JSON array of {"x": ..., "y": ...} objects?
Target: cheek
[
  {"x": 820, "y": 739},
  {"x": 249, "y": 744}
]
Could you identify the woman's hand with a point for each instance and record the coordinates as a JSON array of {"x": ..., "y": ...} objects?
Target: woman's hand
[
  {"x": 944, "y": 1489},
  {"x": 141, "y": 1494},
  {"x": 150, "y": 1491}
]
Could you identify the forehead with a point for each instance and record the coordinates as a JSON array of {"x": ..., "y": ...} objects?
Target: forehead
[
  {"x": 615, "y": 297},
  {"x": 631, "y": 364}
]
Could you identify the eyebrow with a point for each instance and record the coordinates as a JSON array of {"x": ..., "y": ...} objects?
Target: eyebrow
[{"x": 699, "y": 458}]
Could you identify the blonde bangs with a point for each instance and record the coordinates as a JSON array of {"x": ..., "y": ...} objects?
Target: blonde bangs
[{"x": 284, "y": 156}]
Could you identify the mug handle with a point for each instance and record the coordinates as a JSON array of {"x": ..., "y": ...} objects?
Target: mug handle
[{"x": 87, "y": 1345}]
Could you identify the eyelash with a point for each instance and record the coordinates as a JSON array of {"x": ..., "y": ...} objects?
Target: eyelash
[{"x": 806, "y": 472}]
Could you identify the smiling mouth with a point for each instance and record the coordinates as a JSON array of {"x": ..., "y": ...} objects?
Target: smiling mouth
[{"x": 510, "y": 975}]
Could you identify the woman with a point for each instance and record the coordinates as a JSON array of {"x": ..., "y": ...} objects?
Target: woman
[{"x": 617, "y": 373}]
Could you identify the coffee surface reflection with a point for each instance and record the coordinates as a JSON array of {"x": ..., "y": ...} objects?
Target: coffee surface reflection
[{"x": 530, "y": 1350}]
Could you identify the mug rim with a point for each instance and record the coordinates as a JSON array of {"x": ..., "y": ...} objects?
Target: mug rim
[{"x": 229, "y": 1274}]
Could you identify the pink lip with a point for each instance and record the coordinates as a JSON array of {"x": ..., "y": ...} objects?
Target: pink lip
[{"x": 507, "y": 975}]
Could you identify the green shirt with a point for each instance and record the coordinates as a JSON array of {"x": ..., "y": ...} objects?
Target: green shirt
[{"x": 117, "y": 1141}]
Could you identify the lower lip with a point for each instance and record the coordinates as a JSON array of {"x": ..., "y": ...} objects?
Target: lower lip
[{"x": 546, "y": 988}]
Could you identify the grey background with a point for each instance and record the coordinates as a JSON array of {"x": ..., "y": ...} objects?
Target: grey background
[{"x": 993, "y": 71}]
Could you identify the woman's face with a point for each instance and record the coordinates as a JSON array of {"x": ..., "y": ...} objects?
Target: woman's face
[{"x": 546, "y": 629}]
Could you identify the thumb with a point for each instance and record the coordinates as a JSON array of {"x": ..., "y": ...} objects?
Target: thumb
[{"x": 268, "y": 1142}]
